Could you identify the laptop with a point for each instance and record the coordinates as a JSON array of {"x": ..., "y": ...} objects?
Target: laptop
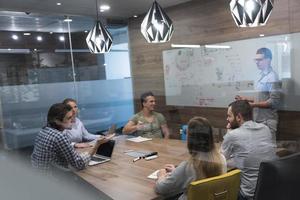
[{"x": 103, "y": 154}]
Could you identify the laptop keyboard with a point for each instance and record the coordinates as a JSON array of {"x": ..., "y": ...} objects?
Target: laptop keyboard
[{"x": 98, "y": 159}]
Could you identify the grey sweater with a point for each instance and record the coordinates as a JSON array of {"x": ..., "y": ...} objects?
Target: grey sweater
[
  {"x": 248, "y": 146},
  {"x": 179, "y": 180}
]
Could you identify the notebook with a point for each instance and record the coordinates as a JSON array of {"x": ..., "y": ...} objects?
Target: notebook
[
  {"x": 103, "y": 154},
  {"x": 139, "y": 139},
  {"x": 153, "y": 175}
]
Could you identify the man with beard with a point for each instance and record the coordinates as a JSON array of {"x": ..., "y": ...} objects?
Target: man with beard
[{"x": 246, "y": 144}]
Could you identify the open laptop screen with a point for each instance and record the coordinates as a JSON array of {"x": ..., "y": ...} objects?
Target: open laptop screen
[{"x": 106, "y": 149}]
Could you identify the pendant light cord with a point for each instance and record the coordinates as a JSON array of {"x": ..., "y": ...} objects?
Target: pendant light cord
[
  {"x": 72, "y": 62},
  {"x": 97, "y": 10}
]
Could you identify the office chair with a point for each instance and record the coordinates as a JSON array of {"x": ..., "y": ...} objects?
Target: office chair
[
  {"x": 225, "y": 187},
  {"x": 279, "y": 179}
]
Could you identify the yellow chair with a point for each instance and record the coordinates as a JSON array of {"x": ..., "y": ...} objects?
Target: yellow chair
[{"x": 223, "y": 187}]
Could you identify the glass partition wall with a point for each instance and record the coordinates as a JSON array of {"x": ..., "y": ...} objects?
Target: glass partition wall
[{"x": 45, "y": 59}]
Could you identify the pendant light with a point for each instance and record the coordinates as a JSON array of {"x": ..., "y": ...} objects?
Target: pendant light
[
  {"x": 99, "y": 40},
  {"x": 251, "y": 13},
  {"x": 157, "y": 27}
]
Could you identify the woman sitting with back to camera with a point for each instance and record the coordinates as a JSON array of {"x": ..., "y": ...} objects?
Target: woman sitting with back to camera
[{"x": 205, "y": 161}]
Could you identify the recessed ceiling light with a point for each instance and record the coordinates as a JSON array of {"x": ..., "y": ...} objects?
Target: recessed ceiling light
[
  {"x": 261, "y": 35},
  {"x": 26, "y": 33},
  {"x": 212, "y": 46},
  {"x": 68, "y": 20},
  {"x": 58, "y": 3},
  {"x": 185, "y": 45},
  {"x": 15, "y": 37},
  {"x": 61, "y": 38},
  {"x": 104, "y": 8},
  {"x": 135, "y": 16},
  {"x": 39, "y": 38}
]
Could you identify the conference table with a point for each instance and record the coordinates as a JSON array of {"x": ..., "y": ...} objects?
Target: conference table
[{"x": 121, "y": 178}]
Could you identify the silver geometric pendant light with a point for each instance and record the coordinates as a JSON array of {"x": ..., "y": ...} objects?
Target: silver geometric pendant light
[
  {"x": 251, "y": 13},
  {"x": 157, "y": 27},
  {"x": 99, "y": 40}
]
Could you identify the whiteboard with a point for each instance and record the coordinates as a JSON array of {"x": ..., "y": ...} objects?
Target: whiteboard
[{"x": 211, "y": 77}]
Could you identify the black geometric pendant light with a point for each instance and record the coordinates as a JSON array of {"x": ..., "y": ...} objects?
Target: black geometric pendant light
[
  {"x": 99, "y": 40},
  {"x": 157, "y": 27},
  {"x": 251, "y": 13}
]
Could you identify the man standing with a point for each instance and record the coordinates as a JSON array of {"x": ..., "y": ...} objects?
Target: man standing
[
  {"x": 268, "y": 88},
  {"x": 246, "y": 144}
]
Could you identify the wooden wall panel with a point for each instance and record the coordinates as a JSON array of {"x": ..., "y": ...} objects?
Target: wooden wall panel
[{"x": 204, "y": 22}]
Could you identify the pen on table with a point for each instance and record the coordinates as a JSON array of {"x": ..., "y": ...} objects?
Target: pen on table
[
  {"x": 145, "y": 156},
  {"x": 136, "y": 159}
]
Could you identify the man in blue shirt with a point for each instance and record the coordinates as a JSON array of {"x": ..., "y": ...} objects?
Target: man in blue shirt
[{"x": 268, "y": 92}]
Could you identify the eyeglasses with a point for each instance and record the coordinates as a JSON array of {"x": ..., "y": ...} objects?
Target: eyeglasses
[{"x": 259, "y": 59}]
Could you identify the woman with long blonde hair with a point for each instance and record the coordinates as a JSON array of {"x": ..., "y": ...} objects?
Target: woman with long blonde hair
[{"x": 205, "y": 161}]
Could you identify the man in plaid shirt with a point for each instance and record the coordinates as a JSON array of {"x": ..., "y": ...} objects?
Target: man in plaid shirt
[{"x": 53, "y": 147}]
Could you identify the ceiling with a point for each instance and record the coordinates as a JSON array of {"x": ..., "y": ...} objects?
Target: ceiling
[
  {"x": 119, "y": 9},
  {"x": 46, "y": 16},
  {"x": 35, "y": 22}
]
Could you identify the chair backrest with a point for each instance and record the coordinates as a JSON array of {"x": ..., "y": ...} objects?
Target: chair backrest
[
  {"x": 279, "y": 179},
  {"x": 225, "y": 187}
]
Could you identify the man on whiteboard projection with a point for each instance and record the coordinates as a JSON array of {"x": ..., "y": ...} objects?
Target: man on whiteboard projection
[{"x": 266, "y": 102}]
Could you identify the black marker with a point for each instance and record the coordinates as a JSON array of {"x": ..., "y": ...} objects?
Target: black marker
[{"x": 150, "y": 154}]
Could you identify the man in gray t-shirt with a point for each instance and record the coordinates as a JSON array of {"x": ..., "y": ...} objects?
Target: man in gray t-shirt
[{"x": 246, "y": 144}]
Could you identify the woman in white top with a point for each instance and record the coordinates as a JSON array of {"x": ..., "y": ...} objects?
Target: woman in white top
[
  {"x": 205, "y": 161},
  {"x": 78, "y": 134}
]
